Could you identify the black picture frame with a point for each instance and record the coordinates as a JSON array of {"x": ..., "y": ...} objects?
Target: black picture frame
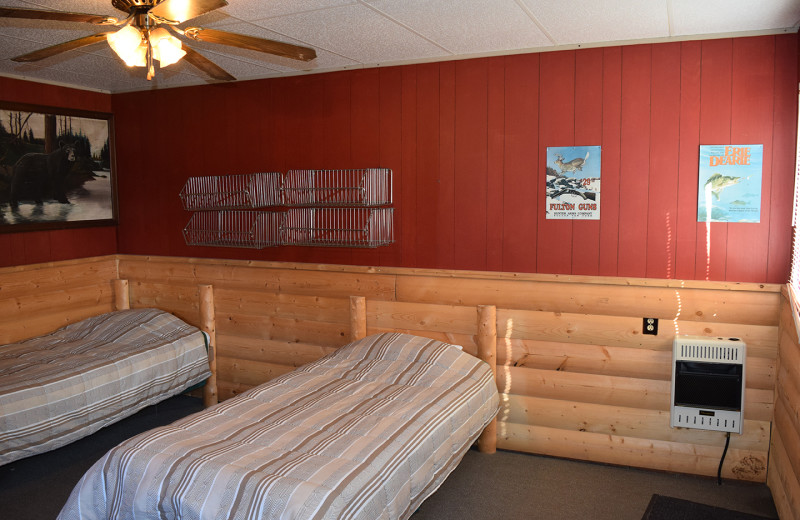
[{"x": 57, "y": 168}]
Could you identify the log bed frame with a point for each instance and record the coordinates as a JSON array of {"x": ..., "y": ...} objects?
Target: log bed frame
[{"x": 487, "y": 342}]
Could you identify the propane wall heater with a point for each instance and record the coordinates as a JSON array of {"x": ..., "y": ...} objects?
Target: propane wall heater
[{"x": 707, "y": 383}]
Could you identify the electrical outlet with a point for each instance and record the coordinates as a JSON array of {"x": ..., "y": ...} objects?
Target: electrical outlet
[{"x": 650, "y": 326}]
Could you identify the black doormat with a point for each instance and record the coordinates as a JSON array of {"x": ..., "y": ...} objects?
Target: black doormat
[{"x": 669, "y": 508}]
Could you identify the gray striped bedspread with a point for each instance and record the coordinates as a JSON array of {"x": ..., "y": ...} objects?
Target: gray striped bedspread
[
  {"x": 367, "y": 432},
  {"x": 58, "y": 388}
]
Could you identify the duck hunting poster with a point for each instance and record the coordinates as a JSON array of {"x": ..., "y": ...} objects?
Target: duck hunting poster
[
  {"x": 573, "y": 183},
  {"x": 729, "y": 188}
]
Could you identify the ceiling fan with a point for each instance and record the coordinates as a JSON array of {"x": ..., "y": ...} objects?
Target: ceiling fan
[{"x": 149, "y": 31}]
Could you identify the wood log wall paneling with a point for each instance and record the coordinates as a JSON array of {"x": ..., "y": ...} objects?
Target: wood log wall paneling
[
  {"x": 578, "y": 378},
  {"x": 36, "y": 299},
  {"x": 784, "y": 458}
]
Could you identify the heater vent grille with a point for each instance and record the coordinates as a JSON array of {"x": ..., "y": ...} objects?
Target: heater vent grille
[
  {"x": 708, "y": 383},
  {"x": 709, "y": 353},
  {"x": 709, "y": 350}
]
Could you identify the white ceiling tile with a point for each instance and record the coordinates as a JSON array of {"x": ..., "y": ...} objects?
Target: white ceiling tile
[
  {"x": 356, "y": 32},
  {"x": 690, "y": 17},
  {"x": 260, "y": 10},
  {"x": 585, "y": 21},
  {"x": 467, "y": 26},
  {"x": 76, "y": 6}
]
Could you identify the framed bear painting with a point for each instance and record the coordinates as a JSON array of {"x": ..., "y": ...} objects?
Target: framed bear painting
[{"x": 56, "y": 168}]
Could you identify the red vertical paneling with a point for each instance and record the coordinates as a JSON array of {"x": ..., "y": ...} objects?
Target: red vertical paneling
[
  {"x": 67, "y": 244},
  {"x": 689, "y": 149},
  {"x": 467, "y": 143},
  {"x": 609, "y": 183},
  {"x": 336, "y": 122},
  {"x": 445, "y": 210},
  {"x": 427, "y": 193},
  {"x": 783, "y": 165},
  {"x": 336, "y": 144},
  {"x": 37, "y": 247},
  {"x": 521, "y": 192},
  {"x": 471, "y": 163},
  {"x": 408, "y": 182},
  {"x": 588, "y": 132},
  {"x": 664, "y": 150},
  {"x": 12, "y": 249},
  {"x": 556, "y": 128},
  {"x": 715, "y": 128},
  {"x": 365, "y": 119},
  {"x": 494, "y": 172},
  {"x": 390, "y": 80},
  {"x": 365, "y": 136},
  {"x": 252, "y": 146},
  {"x": 634, "y": 160},
  {"x": 134, "y": 179},
  {"x": 751, "y": 123}
]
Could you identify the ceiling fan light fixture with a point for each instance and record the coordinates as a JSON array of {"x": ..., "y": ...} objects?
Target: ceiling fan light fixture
[
  {"x": 167, "y": 49},
  {"x": 128, "y": 44}
]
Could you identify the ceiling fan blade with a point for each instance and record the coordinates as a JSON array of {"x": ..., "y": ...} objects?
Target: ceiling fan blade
[
  {"x": 182, "y": 10},
  {"x": 206, "y": 65},
  {"x": 287, "y": 50},
  {"x": 61, "y": 47},
  {"x": 60, "y": 16}
]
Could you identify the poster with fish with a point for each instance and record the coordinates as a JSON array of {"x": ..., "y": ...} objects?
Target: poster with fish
[
  {"x": 730, "y": 183},
  {"x": 573, "y": 183}
]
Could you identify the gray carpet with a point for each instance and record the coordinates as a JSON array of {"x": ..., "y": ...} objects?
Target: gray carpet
[
  {"x": 671, "y": 508},
  {"x": 511, "y": 485},
  {"x": 504, "y": 485}
]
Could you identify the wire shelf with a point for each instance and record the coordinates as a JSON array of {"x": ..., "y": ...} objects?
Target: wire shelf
[
  {"x": 250, "y": 229},
  {"x": 360, "y": 187},
  {"x": 254, "y": 190},
  {"x": 344, "y": 227}
]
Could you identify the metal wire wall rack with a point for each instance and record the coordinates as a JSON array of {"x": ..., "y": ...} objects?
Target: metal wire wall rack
[
  {"x": 356, "y": 187},
  {"x": 235, "y": 228},
  {"x": 249, "y": 191},
  {"x": 342, "y": 208},
  {"x": 338, "y": 226}
]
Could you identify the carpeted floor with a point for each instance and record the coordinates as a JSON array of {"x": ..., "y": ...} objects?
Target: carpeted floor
[
  {"x": 520, "y": 486},
  {"x": 504, "y": 485},
  {"x": 671, "y": 508}
]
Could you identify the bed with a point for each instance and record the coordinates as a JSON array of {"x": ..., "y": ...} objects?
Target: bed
[
  {"x": 366, "y": 432},
  {"x": 62, "y": 386}
]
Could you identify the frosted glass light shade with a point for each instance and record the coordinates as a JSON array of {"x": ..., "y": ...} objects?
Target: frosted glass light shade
[
  {"x": 167, "y": 49},
  {"x": 128, "y": 44}
]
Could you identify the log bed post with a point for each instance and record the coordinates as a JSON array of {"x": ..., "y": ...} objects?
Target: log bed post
[
  {"x": 122, "y": 298},
  {"x": 208, "y": 325},
  {"x": 358, "y": 317},
  {"x": 487, "y": 351}
]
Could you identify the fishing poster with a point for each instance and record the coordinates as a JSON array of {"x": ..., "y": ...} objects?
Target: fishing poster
[
  {"x": 573, "y": 183},
  {"x": 729, "y": 188}
]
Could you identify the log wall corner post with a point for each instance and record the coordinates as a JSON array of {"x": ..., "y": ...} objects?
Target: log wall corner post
[
  {"x": 209, "y": 326},
  {"x": 487, "y": 351},
  {"x": 122, "y": 298},
  {"x": 358, "y": 318}
]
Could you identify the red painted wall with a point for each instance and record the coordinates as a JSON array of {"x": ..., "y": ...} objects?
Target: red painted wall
[
  {"x": 47, "y": 246},
  {"x": 467, "y": 142}
]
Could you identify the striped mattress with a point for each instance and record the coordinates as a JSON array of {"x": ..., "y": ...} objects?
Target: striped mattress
[
  {"x": 58, "y": 388},
  {"x": 367, "y": 432}
]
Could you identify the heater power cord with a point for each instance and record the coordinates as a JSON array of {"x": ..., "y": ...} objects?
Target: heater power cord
[{"x": 719, "y": 470}]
